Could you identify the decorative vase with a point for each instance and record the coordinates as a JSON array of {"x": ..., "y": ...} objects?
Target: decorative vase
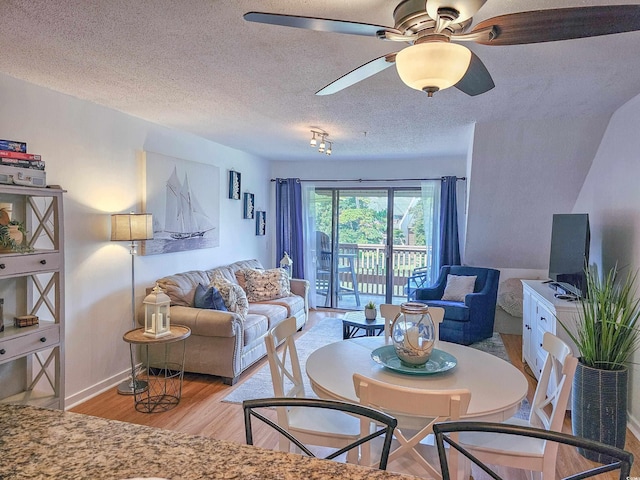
[
  {"x": 14, "y": 234},
  {"x": 599, "y": 407},
  {"x": 370, "y": 313},
  {"x": 413, "y": 334}
]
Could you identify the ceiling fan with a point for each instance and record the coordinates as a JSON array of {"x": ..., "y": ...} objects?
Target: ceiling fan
[{"x": 434, "y": 62}]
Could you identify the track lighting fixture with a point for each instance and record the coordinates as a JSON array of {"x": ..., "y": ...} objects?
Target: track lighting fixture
[{"x": 325, "y": 145}]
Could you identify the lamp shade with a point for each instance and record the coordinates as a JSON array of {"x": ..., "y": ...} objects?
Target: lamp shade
[
  {"x": 433, "y": 66},
  {"x": 131, "y": 226}
]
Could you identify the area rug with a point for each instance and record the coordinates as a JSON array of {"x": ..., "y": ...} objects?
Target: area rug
[{"x": 328, "y": 331}]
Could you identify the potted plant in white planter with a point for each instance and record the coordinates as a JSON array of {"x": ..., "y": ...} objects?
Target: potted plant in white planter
[
  {"x": 606, "y": 335},
  {"x": 370, "y": 312}
]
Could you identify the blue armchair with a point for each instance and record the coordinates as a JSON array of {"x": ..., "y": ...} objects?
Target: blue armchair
[{"x": 469, "y": 321}]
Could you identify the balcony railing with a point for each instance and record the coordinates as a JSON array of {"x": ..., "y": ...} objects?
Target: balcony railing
[{"x": 370, "y": 268}]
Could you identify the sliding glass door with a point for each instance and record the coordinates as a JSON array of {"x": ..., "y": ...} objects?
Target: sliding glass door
[{"x": 368, "y": 242}]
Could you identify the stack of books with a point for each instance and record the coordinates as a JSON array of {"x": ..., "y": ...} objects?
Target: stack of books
[{"x": 15, "y": 154}]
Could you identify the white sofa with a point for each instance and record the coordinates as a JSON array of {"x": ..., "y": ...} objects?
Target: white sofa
[{"x": 224, "y": 343}]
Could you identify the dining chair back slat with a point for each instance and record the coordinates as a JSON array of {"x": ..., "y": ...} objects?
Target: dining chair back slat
[
  {"x": 321, "y": 427},
  {"x": 547, "y": 412},
  {"x": 620, "y": 459},
  {"x": 252, "y": 409},
  {"x": 417, "y": 411}
]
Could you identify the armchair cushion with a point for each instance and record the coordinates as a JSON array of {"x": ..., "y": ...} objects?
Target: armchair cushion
[
  {"x": 458, "y": 287},
  {"x": 452, "y": 310}
]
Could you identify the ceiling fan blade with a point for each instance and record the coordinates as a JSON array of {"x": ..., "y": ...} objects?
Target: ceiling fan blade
[
  {"x": 357, "y": 75},
  {"x": 539, "y": 26},
  {"x": 319, "y": 24},
  {"x": 477, "y": 80}
]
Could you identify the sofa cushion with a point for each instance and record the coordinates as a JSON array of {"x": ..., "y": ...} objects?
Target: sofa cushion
[
  {"x": 275, "y": 313},
  {"x": 254, "y": 327},
  {"x": 458, "y": 287},
  {"x": 208, "y": 297},
  {"x": 294, "y": 304},
  {"x": 181, "y": 287},
  {"x": 234, "y": 297},
  {"x": 266, "y": 284}
]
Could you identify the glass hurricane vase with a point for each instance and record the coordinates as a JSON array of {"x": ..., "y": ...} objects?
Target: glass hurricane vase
[{"x": 413, "y": 334}]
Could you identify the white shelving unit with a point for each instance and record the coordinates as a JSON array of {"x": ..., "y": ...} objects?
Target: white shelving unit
[{"x": 32, "y": 283}]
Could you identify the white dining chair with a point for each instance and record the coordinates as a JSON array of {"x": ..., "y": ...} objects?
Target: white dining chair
[
  {"x": 416, "y": 410},
  {"x": 389, "y": 312},
  {"x": 323, "y": 428},
  {"x": 547, "y": 412}
]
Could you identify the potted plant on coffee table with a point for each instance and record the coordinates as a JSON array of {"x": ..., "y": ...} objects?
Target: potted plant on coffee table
[
  {"x": 606, "y": 335},
  {"x": 370, "y": 312}
]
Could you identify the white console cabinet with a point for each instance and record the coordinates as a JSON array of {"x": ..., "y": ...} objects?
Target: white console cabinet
[
  {"x": 32, "y": 283},
  {"x": 541, "y": 312}
]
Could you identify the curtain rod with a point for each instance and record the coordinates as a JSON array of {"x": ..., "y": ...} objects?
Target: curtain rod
[{"x": 360, "y": 180}]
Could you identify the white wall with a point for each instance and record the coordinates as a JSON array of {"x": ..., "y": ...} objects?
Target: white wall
[
  {"x": 92, "y": 152},
  {"x": 521, "y": 174},
  {"x": 611, "y": 196}
]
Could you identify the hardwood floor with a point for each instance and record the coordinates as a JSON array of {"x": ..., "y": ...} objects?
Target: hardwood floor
[{"x": 201, "y": 412}]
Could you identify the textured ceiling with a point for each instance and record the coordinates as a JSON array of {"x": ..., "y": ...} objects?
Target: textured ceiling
[{"x": 197, "y": 66}]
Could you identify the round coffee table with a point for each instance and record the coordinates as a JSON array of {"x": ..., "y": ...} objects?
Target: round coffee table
[{"x": 354, "y": 322}]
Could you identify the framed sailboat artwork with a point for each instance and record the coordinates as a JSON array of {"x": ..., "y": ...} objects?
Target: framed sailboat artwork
[{"x": 184, "y": 198}]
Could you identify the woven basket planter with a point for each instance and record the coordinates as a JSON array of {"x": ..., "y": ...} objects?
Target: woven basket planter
[{"x": 599, "y": 407}]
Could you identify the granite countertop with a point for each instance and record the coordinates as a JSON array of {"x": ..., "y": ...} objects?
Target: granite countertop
[{"x": 41, "y": 443}]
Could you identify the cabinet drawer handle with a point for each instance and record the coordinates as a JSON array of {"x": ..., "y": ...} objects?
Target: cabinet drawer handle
[
  {"x": 43, "y": 261},
  {"x": 2, "y": 351},
  {"x": 2, "y": 266},
  {"x": 543, "y": 319},
  {"x": 43, "y": 339}
]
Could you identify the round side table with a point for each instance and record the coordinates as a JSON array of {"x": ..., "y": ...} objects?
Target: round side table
[{"x": 160, "y": 384}]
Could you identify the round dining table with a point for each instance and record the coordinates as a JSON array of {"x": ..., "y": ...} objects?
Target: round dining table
[{"x": 497, "y": 387}]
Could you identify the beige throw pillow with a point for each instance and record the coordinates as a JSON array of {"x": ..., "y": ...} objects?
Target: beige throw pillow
[
  {"x": 458, "y": 286},
  {"x": 233, "y": 295},
  {"x": 266, "y": 284}
]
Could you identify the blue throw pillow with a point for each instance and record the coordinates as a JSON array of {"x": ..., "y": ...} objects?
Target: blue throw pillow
[{"x": 208, "y": 297}]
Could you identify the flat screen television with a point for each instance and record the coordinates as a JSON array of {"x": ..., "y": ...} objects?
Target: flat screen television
[{"x": 570, "y": 237}]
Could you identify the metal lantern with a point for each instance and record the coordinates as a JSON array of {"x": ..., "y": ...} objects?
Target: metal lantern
[
  {"x": 156, "y": 314},
  {"x": 287, "y": 264}
]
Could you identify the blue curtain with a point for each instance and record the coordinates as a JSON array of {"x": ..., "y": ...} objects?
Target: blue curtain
[
  {"x": 449, "y": 243},
  {"x": 289, "y": 227}
]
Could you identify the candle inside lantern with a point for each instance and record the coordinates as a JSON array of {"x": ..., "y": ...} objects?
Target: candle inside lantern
[{"x": 412, "y": 337}]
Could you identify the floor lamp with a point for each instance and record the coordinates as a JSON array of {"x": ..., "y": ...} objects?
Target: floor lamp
[{"x": 132, "y": 227}]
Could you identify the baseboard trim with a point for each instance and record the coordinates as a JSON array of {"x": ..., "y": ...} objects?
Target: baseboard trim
[
  {"x": 633, "y": 425},
  {"x": 97, "y": 389}
]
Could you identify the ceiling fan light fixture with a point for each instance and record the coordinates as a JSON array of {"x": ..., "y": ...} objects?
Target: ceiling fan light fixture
[
  {"x": 432, "y": 66},
  {"x": 313, "y": 142}
]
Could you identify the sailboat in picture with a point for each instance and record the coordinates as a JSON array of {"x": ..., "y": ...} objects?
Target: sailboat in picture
[{"x": 184, "y": 217}]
